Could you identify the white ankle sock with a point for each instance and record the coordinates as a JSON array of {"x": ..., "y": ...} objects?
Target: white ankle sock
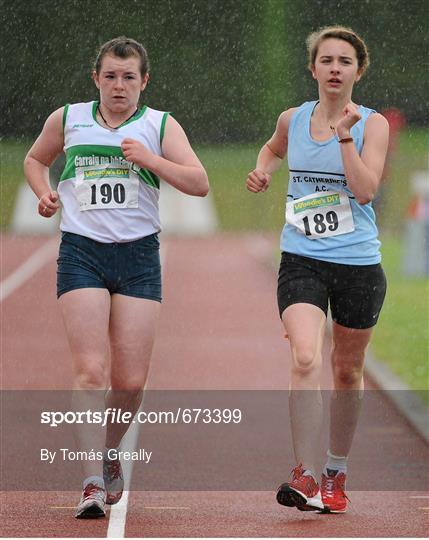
[{"x": 335, "y": 463}]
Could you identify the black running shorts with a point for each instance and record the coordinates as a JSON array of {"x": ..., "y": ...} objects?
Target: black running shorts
[{"x": 355, "y": 293}]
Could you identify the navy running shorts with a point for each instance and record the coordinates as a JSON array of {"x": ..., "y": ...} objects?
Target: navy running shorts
[
  {"x": 355, "y": 293},
  {"x": 128, "y": 268}
]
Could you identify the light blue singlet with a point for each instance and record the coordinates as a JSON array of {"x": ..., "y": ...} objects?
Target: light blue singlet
[{"x": 317, "y": 167}]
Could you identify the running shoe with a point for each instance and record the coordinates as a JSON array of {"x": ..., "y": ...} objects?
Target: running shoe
[
  {"x": 303, "y": 491},
  {"x": 113, "y": 480},
  {"x": 333, "y": 492},
  {"x": 91, "y": 504}
]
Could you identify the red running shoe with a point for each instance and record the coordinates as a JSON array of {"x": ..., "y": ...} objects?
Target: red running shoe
[
  {"x": 333, "y": 492},
  {"x": 303, "y": 491},
  {"x": 113, "y": 480}
]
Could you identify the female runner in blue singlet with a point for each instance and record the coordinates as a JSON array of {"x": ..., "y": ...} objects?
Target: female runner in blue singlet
[{"x": 330, "y": 255}]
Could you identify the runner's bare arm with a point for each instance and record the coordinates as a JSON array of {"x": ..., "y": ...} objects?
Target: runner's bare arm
[
  {"x": 363, "y": 173},
  {"x": 178, "y": 166},
  {"x": 47, "y": 147},
  {"x": 271, "y": 155}
]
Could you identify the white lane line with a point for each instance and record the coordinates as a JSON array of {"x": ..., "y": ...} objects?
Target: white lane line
[
  {"x": 419, "y": 496},
  {"x": 118, "y": 512},
  {"x": 28, "y": 268}
]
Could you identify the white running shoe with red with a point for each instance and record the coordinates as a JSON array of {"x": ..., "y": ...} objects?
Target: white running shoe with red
[
  {"x": 303, "y": 491},
  {"x": 91, "y": 504},
  {"x": 333, "y": 492}
]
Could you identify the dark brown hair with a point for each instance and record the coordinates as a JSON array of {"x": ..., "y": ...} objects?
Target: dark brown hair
[
  {"x": 338, "y": 32},
  {"x": 123, "y": 47}
]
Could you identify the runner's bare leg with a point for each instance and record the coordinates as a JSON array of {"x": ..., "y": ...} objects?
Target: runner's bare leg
[{"x": 305, "y": 326}]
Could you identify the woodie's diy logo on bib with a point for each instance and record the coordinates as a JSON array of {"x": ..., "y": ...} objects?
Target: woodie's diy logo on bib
[
  {"x": 318, "y": 202},
  {"x": 106, "y": 182},
  {"x": 106, "y": 173},
  {"x": 320, "y": 216}
]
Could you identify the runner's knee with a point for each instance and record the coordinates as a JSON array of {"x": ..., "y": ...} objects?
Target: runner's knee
[
  {"x": 348, "y": 371},
  {"x": 92, "y": 375},
  {"x": 304, "y": 362}
]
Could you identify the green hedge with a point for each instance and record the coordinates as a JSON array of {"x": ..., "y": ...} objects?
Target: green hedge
[{"x": 226, "y": 69}]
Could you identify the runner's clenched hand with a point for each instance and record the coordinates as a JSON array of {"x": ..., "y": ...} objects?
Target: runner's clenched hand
[
  {"x": 257, "y": 181},
  {"x": 48, "y": 204},
  {"x": 351, "y": 115},
  {"x": 137, "y": 153}
]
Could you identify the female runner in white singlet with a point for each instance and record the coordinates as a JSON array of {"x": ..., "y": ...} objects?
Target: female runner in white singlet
[{"x": 109, "y": 277}]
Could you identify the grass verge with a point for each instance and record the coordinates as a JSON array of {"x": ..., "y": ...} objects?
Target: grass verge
[{"x": 400, "y": 338}]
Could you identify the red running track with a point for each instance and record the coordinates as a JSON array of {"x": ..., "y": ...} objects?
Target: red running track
[{"x": 219, "y": 330}]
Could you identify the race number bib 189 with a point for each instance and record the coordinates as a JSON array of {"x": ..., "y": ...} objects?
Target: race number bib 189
[
  {"x": 320, "y": 216},
  {"x": 105, "y": 186}
]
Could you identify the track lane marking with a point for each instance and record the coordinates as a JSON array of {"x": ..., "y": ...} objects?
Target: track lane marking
[
  {"x": 28, "y": 268},
  {"x": 118, "y": 512}
]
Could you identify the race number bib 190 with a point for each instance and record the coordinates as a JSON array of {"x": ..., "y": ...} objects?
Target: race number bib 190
[
  {"x": 105, "y": 186},
  {"x": 320, "y": 216}
]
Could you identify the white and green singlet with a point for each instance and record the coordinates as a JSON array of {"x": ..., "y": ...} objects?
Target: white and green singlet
[{"x": 105, "y": 197}]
